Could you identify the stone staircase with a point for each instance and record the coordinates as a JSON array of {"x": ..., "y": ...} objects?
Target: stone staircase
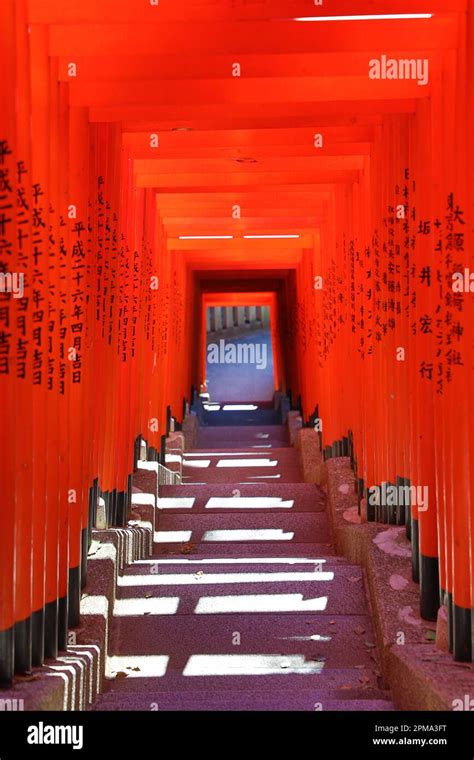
[{"x": 244, "y": 605}]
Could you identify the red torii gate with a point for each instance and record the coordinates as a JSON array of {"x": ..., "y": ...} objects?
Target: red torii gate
[{"x": 93, "y": 210}]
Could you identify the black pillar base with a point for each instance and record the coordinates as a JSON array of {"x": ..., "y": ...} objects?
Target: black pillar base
[
  {"x": 371, "y": 509},
  {"x": 152, "y": 454},
  {"x": 415, "y": 551},
  {"x": 84, "y": 553},
  {"x": 383, "y": 509},
  {"x": 74, "y": 597},
  {"x": 392, "y": 510},
  {"x": 23, "y": 646},
  {"x": 408, "y": 513},
  {"x": 429, "y": 587},
  {"x": 37, "y": 638},
  {"x": 106, "y": 497},
  {"x": 121, "y": 508},
  {"x": 51, "y": 620},
  {"x": 462, "y": 644},
  {"x": 7, "y": 657},
  {"x": 401, "y": 506},
  {"x": 113, "y": 506},
  {"x": 136, "y": 451},
  {"x": 62, "y": 623}
]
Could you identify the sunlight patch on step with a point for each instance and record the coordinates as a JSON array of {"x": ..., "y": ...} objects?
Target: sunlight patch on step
[
  {"x": 247, "y": 463},
  {"x": 137, "y": 666},
  {"x": 211, "y": 605},
  {"x": 262, "y": 534},
  {"x": 239, "y": 407},
  {"x": 234, "y": 561},
  {"x": 153, "y": 606},
  {"x": 249, "y": 502},
  {"x": 312, "y": 637},
  {"x": 176, "y": 503},
  {"x": 220, "y": 453},
  {"x": 249, "y": 665},
  {"x": 197, "y": 463},
  {"x": 172, "y": 536},
  {"x": 183, "y": 579}
]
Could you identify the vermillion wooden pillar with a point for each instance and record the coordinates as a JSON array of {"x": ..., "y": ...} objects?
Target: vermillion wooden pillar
[{"x": 8, "y": 262}]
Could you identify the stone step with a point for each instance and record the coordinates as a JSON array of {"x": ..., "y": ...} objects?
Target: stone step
[
  {"x": 275, "y": 466},
  {"x": 242, "y": 528},
  {"x": 211, "y": 565},
  {"x": 229, "y": 550},
  {"x": 266, "y": 701},
  {"x": 340, "y": 641},
  {"x": 229, "y": 674},
  {"x": 241, "y": 418},
  {"x": 226, "y": 435},
  {"x": 333, "y": 594},
  {"x": 222, "y": 497}
]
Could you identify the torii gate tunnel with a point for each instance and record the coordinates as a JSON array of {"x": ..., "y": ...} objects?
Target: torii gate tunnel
[{"x": 161, "y": 158}]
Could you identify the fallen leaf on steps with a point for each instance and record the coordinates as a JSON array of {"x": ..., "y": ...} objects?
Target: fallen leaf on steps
[{"x": 398, "y": 582}]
